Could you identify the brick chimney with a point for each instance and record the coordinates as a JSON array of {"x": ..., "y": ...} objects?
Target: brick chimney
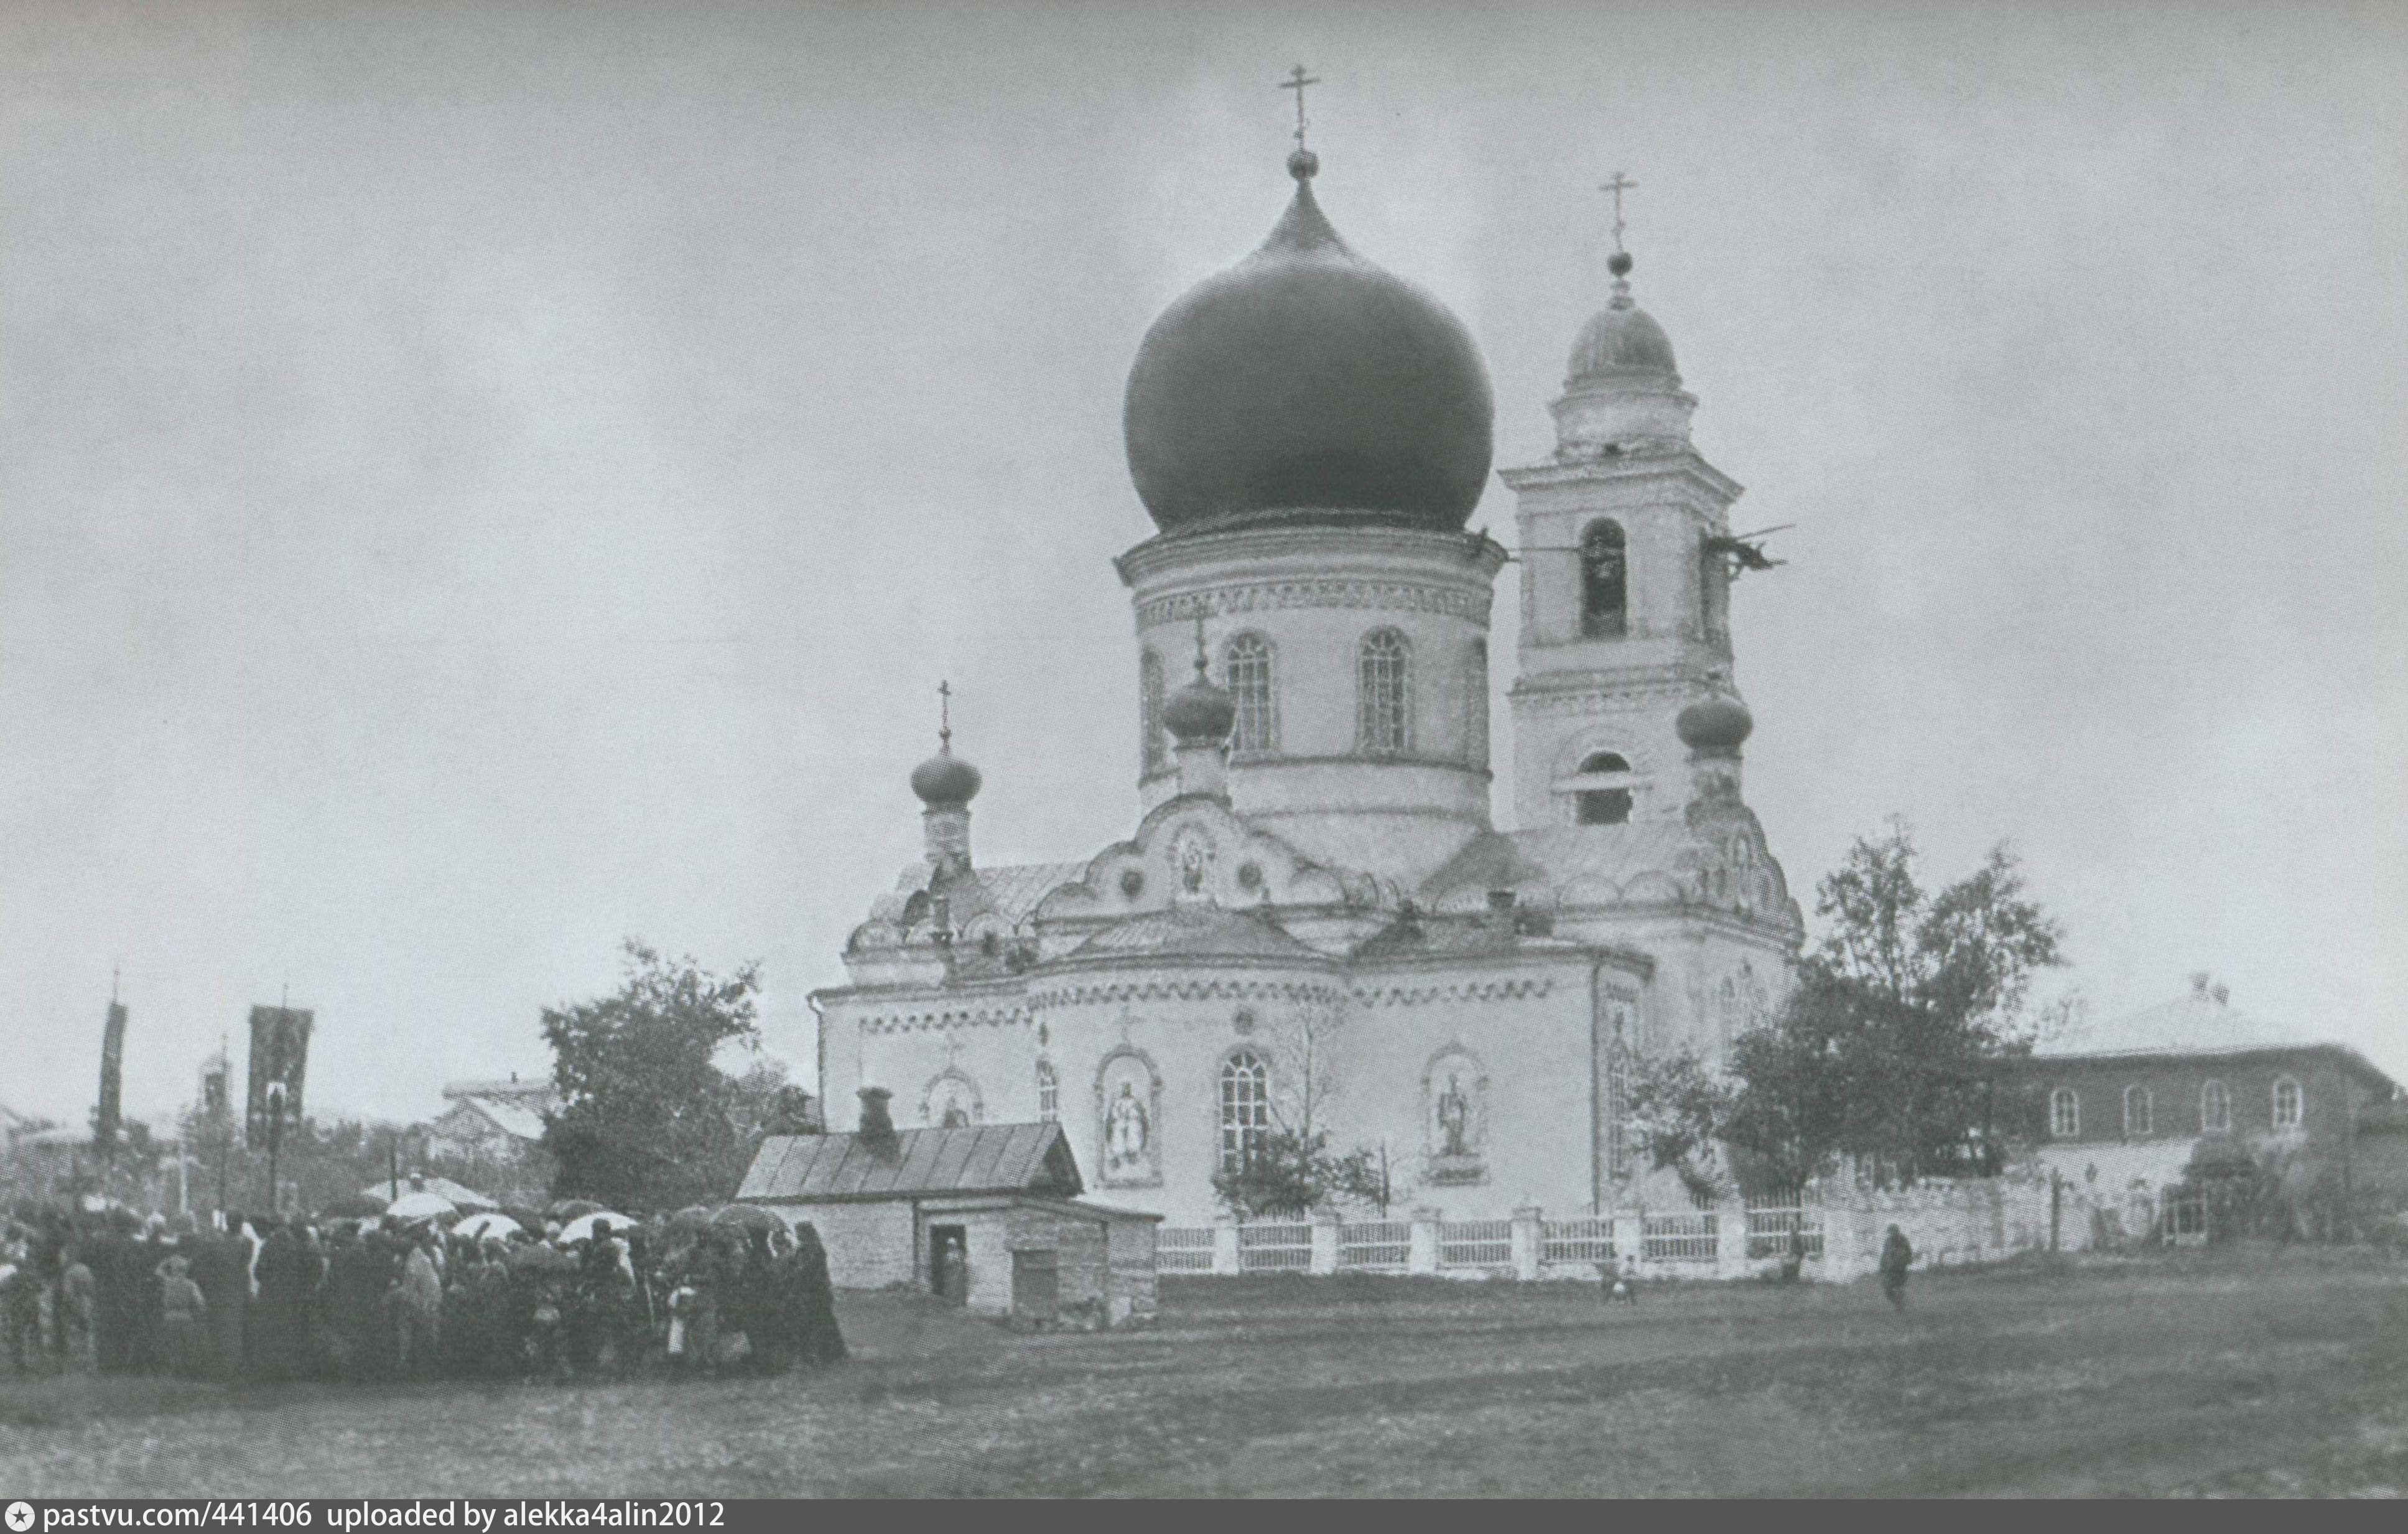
[{"x": 878, "y": 1134}]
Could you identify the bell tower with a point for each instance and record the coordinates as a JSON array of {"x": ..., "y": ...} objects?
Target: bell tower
[{"x": 1626, "y": 588}]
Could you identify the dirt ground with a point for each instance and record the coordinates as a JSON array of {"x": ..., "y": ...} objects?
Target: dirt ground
[{"x": 2248, "y": 1374}]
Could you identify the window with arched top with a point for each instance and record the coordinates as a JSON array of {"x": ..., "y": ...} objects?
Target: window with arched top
[
  {"x": 1153, "y": 753},
  {"x": 1602, "y": 806},
  {"x": 2214, "y": 1108},
  {"x": 1245, "y": 1107},
  {"x": 2290, "y": 1103},
  {"x": 2140, "y": 1113},
  {"x": 1384, "y": 692},
  {"x": 1605, "y": 582},
  {"x": 1049, "y": 1094},
  {"x": 2064, "y": 1114},
  {"x": 1246, "y": 672},
  {"x": 1475, "y": 704}
]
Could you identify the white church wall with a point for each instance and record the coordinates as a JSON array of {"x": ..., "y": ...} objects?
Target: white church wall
[{"x": 1520, "y": 1040}]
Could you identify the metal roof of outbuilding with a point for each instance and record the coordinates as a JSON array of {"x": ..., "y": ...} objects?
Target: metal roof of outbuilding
[{"x": 982, "y": 1158}]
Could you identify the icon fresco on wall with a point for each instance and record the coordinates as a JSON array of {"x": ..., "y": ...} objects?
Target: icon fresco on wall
[
  {"x": 951, "y": 1102},
  {"x": 1129, "y": 1115},
  {"x": 1455, "y": 1116}
]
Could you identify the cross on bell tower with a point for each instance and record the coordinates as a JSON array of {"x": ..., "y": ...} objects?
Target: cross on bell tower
[{"x": 1296, "y": 80}]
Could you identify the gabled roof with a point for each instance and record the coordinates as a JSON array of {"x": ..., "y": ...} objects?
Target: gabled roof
[
  {"x": 1195, "y": 932},
  {"x": 982, "y": 1158}
]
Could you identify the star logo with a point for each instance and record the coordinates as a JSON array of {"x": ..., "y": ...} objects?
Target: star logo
[{"x": 21, "y": 1517}]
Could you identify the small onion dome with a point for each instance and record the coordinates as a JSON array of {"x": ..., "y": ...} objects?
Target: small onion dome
[
  {"x": 1715, "y": 725},
  {"x": 1622, "y": 340},
  {"x": 1306, "y": 386},
  {"x": 945, "y": 782},
  {"x": 1199, "y": 713}
]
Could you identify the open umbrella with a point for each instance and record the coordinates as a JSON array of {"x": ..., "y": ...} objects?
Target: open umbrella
[
  {"x": 420, "y": 1206},
  {"x": 748, "y": 1217},
  {"x": 491, "y": 1223},
  {"x": 581, "y": 1228},
  {"x": 569, "y": 1209},
  {"x": 692, "y": 1220},
  {"x": 528, "y": 1219}
]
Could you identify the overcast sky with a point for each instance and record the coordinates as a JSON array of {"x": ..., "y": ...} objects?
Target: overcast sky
[{"x": 477, "y": 482}]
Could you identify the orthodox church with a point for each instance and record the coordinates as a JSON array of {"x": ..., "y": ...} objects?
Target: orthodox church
[{"x": 1315, "y": 923}]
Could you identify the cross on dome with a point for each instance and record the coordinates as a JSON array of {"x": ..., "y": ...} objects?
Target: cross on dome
[{"x": 1619, "y": 263}]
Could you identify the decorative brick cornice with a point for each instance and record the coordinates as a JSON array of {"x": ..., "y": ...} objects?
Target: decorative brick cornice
[
  {"x": 1465, "y": 602},
  {"x": 1113, "y": 991},
  {"x": 956, "y": 1017},
  {"x": 1455, "y": 991}
]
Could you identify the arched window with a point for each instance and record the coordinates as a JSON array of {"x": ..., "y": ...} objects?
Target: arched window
[
  {"x": 2290, "y": 1103},
  {"x": 1604, "y": 806},
  {"x": 1475, "y": 704},
  {"x": 1246, "y": 672},
  {"x": 2064, "y": 1114},
  {"x": 2140, "y": 1113},
  {"x": 1605, "y": 582},
  {"x": 1151, "y": 752},
  {"x": 1049, "y": 1094},
  {"x": 1245, "y": 1107},
  {"x": 1729, "y": 1008},
  {"x": 1382, "y": 693},
  {"x": 2214, "y": 1108}
]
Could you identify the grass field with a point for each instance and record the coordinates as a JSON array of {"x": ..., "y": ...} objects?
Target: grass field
[{"x": 2250, "y": 1373}]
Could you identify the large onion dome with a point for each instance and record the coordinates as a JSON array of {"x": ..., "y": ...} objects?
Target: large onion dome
[{"x": 1306, "y": 384}]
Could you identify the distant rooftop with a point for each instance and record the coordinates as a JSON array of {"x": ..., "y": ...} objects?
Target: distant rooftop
[{"x": 2203, "y": 1022}]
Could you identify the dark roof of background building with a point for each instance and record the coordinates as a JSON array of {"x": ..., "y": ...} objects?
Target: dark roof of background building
[{"x": 981, "y": 1158}]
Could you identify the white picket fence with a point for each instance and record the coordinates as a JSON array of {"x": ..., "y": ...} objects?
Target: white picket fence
[{"x": 1948, "y": 1223}]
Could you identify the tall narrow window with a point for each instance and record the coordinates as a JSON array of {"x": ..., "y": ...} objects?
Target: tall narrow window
[
  {"x": 2140, "y": 1113},
  {"x": 1382, "y": 693},
  {"x": 2064, "y": 1114},
  {"x": 1475, "y": 704},
  {"x": 1151, "y": 753},
  {"x": 2290, "y": 1103},
  {"x": 1605, "y": 582},
  {"x": 1603, "y": 806},
  {"x": 1246, "y": 672},
  {"x": 1049, "y": 1094},
  {"x": 1245, "y": 1108},
  {"x": 2214, "y": 1108}
]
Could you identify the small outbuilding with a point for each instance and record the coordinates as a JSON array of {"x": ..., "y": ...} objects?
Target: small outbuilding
[{"x": 987, "y": 1216}]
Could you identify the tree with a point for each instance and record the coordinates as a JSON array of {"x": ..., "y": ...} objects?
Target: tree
[
  {"x": 1289, "y": 1174},
  {"x": 644, "y": 1120},
  {"x": 1884, "y": 1052},
  {"x": 1293, "y": 1170},
  {"x": 1674, "y": 1113}
]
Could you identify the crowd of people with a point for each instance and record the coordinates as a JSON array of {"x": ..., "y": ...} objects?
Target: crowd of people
[{"x": 232, "y": 1297}]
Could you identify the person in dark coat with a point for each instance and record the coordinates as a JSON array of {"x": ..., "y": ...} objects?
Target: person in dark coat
[
  {"x": 819, "y": 1341},
  {"x": 287, "y": 1284},
  {"x": 1896, "y": 1257},
  {"x": 115, "y": 1287},
  {"x": 357, "y": 1287},
  {"x": 218, "y": 1268}
]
